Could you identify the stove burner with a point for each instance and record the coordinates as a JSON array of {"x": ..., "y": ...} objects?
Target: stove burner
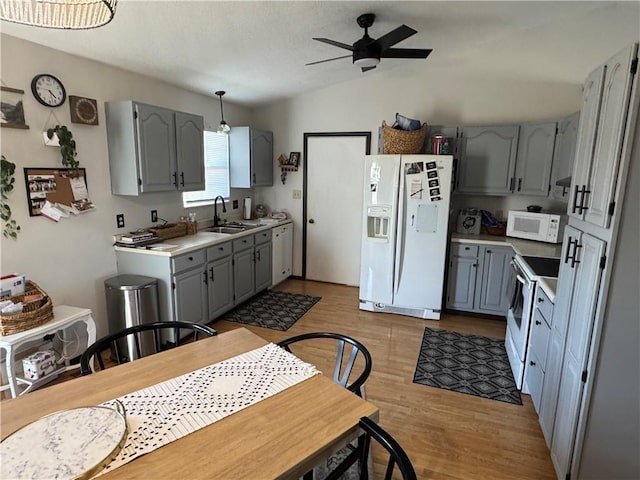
[{"x": 543, "y": 266}]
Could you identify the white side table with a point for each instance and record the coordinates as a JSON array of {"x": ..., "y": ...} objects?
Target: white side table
[{"x": 63, "y": 317}]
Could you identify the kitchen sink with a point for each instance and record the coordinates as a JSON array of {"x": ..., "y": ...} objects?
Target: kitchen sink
[{"x": 229, "y": 230}]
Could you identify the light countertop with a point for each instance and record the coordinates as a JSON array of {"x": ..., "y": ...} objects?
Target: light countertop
[
  {"x": 549, "y": 286},
  {"x": 173, "y": 247},
  {"x": 521, "y": 247}
]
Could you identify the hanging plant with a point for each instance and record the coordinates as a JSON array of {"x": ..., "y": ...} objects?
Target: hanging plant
[
  {"x": 10, "y": 228},
  {"x": 67, "y": 145}
]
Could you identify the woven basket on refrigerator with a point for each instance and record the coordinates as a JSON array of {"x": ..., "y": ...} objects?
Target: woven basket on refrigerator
[
  {"x": 402, "y": 141},
  {"x": 33, "y": 315}
]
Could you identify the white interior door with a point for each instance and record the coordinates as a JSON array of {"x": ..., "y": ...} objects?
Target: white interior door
[{"x": 335, "y": 169}]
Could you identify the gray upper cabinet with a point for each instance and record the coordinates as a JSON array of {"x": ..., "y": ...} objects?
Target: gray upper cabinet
[
  {"x": 488, "y": 159},
  {"x": 153, "y": 149},
  {"x": 190, "y": 152},
  {"x": 535, "y": 157},
  {"x": 250, "y": 157},
  {"x": 563, "y": 156}
]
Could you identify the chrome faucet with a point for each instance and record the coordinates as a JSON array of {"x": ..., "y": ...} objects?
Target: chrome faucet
[{"x": 216, "y": 219}]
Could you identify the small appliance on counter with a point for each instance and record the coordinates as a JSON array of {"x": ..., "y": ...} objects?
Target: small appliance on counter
[
  {"x": 469, "y": 221},
  {"x": 540, "y": 226},
  {"x": 246, "y": 209}
]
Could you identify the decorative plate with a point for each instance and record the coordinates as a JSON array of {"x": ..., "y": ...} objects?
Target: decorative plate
[{"x": 75, "y": 443}]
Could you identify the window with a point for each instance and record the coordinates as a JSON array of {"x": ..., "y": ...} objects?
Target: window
[{"x": 216, "y": 171}]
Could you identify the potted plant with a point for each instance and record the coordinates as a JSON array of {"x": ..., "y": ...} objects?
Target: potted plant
[
  {"x": 10, "y": 228},
  {"x": 67, "y": 145}
]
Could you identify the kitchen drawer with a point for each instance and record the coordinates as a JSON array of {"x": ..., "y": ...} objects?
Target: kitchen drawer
[
  {"x": 218, "y": 251},
  {"x": 263, "y": 237},
  {"x": 543, "y": 304},
  {"x": 243, "y": 243},
  {"x": 539, "y": 337},
  {"x": 534, "y": 378},
  {"x": 464, "y": 250},
  {"x": 187, "y": 261}
]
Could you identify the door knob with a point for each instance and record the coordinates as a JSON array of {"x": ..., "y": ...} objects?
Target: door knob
[{"x": 311, "y": 220}]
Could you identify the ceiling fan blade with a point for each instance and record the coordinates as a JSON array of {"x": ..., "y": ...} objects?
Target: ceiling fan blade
[
  {"x": 395, "y": 36},
  {"x": 334, "y": 43},
  {"x": 405, "y": 53},
  {"x": 328, "y": 60},
  {"x": 366, "y": 69}
]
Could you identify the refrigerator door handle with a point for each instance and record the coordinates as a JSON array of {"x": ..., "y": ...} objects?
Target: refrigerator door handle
[{"x": 399, "y": 250}]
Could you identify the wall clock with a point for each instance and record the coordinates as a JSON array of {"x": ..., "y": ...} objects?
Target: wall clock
[
  {"x": 83, "y": 110},
  {"x": 48, "y": 90}
]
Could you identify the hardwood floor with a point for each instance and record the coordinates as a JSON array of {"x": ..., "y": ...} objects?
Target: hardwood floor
[{"x": 447, "y": 435}]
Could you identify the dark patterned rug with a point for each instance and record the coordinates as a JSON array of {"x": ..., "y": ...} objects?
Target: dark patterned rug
[
  {"x": 272, "y": 309},
  {"x": 467, "y": 364}
]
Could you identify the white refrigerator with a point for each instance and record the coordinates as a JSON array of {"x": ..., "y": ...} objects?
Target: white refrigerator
[{"x": 404, "y": 234}]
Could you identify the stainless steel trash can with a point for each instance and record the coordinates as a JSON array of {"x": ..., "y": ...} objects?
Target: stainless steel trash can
[{"x": 132, "y": 300}]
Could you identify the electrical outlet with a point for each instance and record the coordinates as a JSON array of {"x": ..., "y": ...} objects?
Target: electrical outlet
[
  {"x": 120, "y": 220},
  {"x": 154, "y": 216},
  {"x": 297, "y": 194},
  {"x": 235, "y": 204}
]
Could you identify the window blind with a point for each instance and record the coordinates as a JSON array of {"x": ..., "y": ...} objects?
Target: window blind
[{"x": 216, "y": 167}]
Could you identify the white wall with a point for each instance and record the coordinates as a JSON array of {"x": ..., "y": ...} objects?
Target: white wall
[
  {"x": 449, "y": 96},
  {"x": 71, "y": 259}
]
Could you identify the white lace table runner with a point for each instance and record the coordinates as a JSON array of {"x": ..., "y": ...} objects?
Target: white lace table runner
[{"x": 165, "y": 412}]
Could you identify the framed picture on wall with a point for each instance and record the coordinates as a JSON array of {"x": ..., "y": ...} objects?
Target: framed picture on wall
[
  {"x": 294, "y": 159},
  {"x": 12, "y": 111},
  {"x": 66, "y": 187}
]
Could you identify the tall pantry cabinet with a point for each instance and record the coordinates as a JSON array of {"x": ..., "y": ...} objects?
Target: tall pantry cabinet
[{"x": 587, "y": 425}]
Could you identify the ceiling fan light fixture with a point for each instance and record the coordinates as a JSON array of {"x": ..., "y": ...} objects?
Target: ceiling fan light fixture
[
  {"x": 366, "y": 62},
  {"x": 223, "y": 127},
  {"x": 61, "y": 14}
]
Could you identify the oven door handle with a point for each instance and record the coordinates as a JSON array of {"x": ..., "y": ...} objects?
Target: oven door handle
[{"x": 522, "y": 280}]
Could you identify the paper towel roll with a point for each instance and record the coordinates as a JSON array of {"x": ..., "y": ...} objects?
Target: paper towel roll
[{"x": 246, "y": 209}]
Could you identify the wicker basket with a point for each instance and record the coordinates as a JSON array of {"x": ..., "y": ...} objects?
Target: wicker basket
[
  {"x": 402, "y": 141},
  {"x": 33, "y": 315},
  {"x": 170, "y": 230}
]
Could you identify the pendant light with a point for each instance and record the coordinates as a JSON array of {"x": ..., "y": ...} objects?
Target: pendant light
[
  {"x": 64, "y": 14},
  {"x": 223, "y": 128}
]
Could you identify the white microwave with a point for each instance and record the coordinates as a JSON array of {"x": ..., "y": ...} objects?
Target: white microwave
[{"x": 542, "y": 227}]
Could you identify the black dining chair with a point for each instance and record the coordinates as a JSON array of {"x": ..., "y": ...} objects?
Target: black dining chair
[
  {"x": 140, "y": 341},
  {"x": 397, "y": 456},
  {"x": 348, "y": 351}
]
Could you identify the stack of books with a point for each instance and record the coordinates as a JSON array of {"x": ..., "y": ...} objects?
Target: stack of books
[{"x": 135, "y": 239}]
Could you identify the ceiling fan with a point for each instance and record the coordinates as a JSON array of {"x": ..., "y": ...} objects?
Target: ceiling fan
[{"x": 367, "y": 52}]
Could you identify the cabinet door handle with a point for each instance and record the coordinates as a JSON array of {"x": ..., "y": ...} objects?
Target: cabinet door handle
[
  {"x": 519, "y": 184},
  {"x": 175, "y": 179},
  {"x": 576, "y": 246},
  {"x": 574, "y": 207},
  {"x": 467, "y": 248},
  {"x": 511, "y": 181},
  {"x": 191, "y": 259},
  {"x": 211, "y": 273},
  {"x": 538, "y": 322},
  {"x": 540, "y": 299},
  {"x": 258, "y": 255},
  {"x": 583, "y": 193},
  {"x": 474, "y": 265},
  {"x": 566, "y": 257},
  {"x": 489, "y": 252},
  {"x": 221, "y": 248},
  {"x": 182, "y": 179},
  {"x": 204, "y": 280},
  {"x": 532, "y": 363},
  {"x": 254, "y": 178}
]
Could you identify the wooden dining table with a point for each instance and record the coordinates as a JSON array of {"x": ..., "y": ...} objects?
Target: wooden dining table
[{"x": 282, "y": 436}]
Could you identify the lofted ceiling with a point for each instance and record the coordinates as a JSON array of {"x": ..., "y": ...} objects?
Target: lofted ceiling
[{"x": 257, "y": 51}]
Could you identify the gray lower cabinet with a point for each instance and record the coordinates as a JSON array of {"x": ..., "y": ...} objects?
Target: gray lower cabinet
[
  {"x": 220, "y": 279},
  {"x": 263, "y": 259},
  {"x": 190, "y": 296},
  {"x": 244, "y": 277},
  {"x": 477, "y": 278},
  {"x": 461, "y": 283}
]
